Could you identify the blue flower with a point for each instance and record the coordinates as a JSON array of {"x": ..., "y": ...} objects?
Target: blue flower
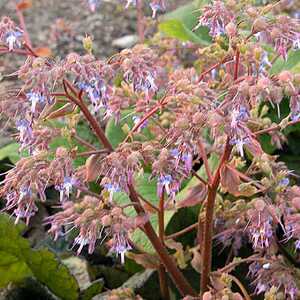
[
  {"x": 66, "y": 187},
  {"x": 35, "y": 99},
  {"x": 12, "y": 39},
  {"x": 25, "y": 132},
  {"x": 112, "y": 188}
]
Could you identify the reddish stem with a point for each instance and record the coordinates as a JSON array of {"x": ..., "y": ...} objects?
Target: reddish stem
[
  {"x": 161, "y": 233},
  {"x": 181, "y": 232},
  {"x": 218, "y": 64},
  {"x": 274, "y": 128},
  {"x": 148, "y": 115},
  {"x": 91, "y": 120},
  {"x": 208, "y": 228},
  {"x": 236, "y": 66}
]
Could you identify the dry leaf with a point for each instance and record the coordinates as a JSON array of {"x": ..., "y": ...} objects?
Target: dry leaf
[
  {"x": 230, "y": 180},
  {"x": 196, "y": 195},
  {"x": 196, "y": 261},
  {"x": 24, "y": 4},
  {"x": 91, "y": 166},
  {"x": 43, "y": 52}
]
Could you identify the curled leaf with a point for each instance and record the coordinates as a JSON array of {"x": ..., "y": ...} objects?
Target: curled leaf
[
  {"x": 230, "y": 180},
  {"x": 92, "y": 167},
  {"x": 196, "y": 260},
  {"x": 195, "y": 196}
]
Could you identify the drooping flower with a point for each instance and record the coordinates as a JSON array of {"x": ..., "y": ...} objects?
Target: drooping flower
[
  {"x": 65, "y": 188},
  {"x": 25, "y": 132},
  {"x": 13, "y": 40},
  {"x": 274, "y": 275},
  {"x": 120, "y": 244},
  {"x": 130, "y": 2},
  {"x": 112, "y": 188},
  {"x": 35, "y": 98},
  {"x": 260, "y": 227},
  {"x": 97, "y": 92},
  {"x": 22, "y": 203},
  {"x": 10, "y": 34},
  {"x": 157, "y": 5},
  {"x": 168, "y": 184},
  {"x": 216, "y": 16},
  {"x": 239, "y": 143}
]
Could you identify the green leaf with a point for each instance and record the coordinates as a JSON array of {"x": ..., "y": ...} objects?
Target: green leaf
[
  {"x": 20, "y": 262},
  {"x": 116, "y": 133},
  {"x": 176, "y": 29},
  {"x": 94, "y": 289},
  {"x": 10, "y": 151},
  {"x": 181, "y": 22},
  {"x": 147, "y": 189},
  {"x": 291, "y": 64},
  {"x": 12, "y": 269}
]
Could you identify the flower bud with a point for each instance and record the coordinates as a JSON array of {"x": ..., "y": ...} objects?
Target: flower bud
[
  {"x": 252, "y": 12},
  {"x": 259, "y": 204},
  {"x": 117, "y": 211},
  {"x": 260, "y": 24},
  {"x": 285, "y": 76},
  {"x": 296, "y": 202},
  {"x": 106, "y": 220},
  {"x": 231, "y": 29},
  {"x": 88, "y": 44},
  {"x": 61, "y": 152}
]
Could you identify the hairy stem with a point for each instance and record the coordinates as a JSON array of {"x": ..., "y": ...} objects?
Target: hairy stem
[
  {"x": 163, "y": 282},
  {"x": 209, "y": 218},
  {"x": 89, "y": 117}
]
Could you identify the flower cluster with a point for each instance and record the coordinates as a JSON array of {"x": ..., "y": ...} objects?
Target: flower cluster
[
  {"x": 216, "y": 16},
  {"x": 275, "y": 277},
  {"x": 27, "y": 182},
  {"x": 95, "y": 221},
  {"x": 282, "y": 32}
]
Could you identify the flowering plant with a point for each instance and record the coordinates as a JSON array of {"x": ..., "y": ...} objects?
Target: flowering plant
[{"x": 192, "y": 134}]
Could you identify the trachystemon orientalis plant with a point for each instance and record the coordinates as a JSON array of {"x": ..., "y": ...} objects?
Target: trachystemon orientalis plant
[{"x": 210, "y": 113}]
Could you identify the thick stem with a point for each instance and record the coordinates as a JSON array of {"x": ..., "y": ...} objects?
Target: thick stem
[
  {"x": 183, "y": 286},
  {"x": 236, "y": 66},
  {"x": 163, "y": 282},
  {"x": 209, "y": 218}
]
